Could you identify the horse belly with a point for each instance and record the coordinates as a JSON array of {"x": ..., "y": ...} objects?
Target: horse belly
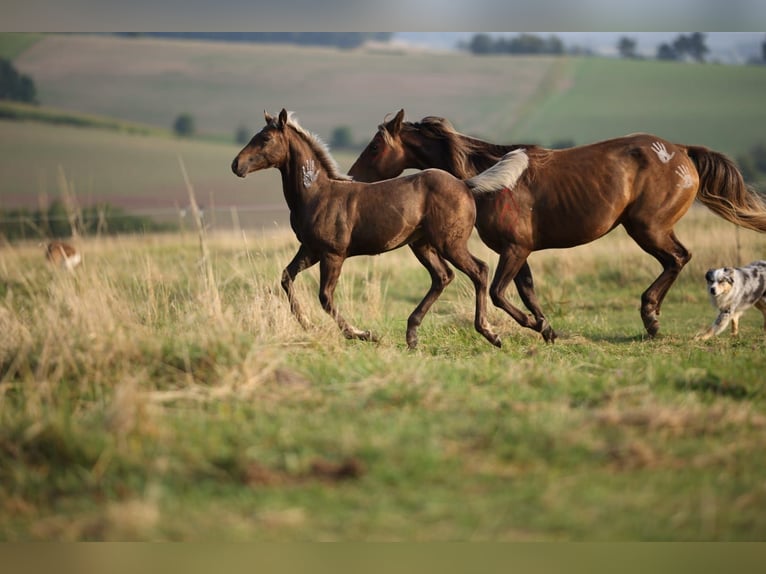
[{"x": 388, "y": 228}]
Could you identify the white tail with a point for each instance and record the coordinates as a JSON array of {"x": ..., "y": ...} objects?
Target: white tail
[
  {"x": 63, "y": 255},
  {"x": 503, "y": 175}
]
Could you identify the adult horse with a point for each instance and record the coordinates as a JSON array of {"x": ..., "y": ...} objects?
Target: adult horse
[
  {"x": 573, "y": 196},
  {"x": 335, "y": 218}
]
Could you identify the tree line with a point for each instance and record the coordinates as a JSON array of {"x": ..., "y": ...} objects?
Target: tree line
[{"x": 691, "y": 46}]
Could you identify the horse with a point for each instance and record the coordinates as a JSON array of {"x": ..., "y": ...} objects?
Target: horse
[
  {"x": 334, "y": 217},
  {"x": 571, "y": 197}
]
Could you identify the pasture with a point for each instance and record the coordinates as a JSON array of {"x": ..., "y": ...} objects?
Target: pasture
[
  {"x": 165, "y": 392},
  {"x": 498, "y": 98},
  {"x": 160, "y": 395}
]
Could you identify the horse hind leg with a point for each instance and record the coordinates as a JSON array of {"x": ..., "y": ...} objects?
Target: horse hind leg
[
  {"x": 673, "y": 256},
  {"x": 329, "y": 272},
  {"x": 512, "y": 266},
  {"x": 441, "y": 276},
  {"x": 525, "y": 285},
  {"x": 478, "y": 272}
]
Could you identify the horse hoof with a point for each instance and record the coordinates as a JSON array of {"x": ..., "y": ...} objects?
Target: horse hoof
[
  {"x": 549, "y": 335},
  {"x": 370, "y": 336}
]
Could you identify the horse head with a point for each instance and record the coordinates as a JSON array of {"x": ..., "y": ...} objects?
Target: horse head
[
  {"x": 267, "y": 148},
  {"x": 385, "y": 155}
]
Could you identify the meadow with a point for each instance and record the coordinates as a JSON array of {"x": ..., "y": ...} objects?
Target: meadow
[
  {"x": 499, "y": 98},
  {"x": 164, "y": 392}
]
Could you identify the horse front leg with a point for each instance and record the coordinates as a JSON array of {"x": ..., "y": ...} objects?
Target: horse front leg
[
  {"x": 329, "y": 272},
  {"x": 511, "y": 261},
  {"x": 302, "y": 260},
  {"x": 525, "y": 285}
]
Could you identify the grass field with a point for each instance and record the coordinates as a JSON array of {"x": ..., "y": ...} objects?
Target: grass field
[
  {"x": 140, "y": 400},
  {"x": 713, "y": 105},
  {"x": 135, "y": 171},
  {"x": 225, "y": 85}
]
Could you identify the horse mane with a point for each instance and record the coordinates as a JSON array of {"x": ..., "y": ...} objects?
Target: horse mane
[
  {"x": 320, "y": 149},
  {"x": 467, "y": 155}
]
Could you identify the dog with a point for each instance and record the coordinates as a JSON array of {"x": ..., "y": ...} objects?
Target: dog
[
  {"x": 63, "y": 255},
  {"x": 733, "y": 290}
]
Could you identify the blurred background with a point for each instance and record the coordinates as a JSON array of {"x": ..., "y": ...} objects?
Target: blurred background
[{"x": 93, "y": 127}]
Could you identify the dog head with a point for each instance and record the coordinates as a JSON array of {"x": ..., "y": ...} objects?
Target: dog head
[{"x": 719, "y": 281}]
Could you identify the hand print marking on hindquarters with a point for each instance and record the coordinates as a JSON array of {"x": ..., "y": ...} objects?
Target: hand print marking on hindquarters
[
  {"x": 662, "y": 152},
  {"x": 686, "y": 176}
]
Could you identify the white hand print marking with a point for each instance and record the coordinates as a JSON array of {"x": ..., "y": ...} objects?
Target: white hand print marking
[
  {"x": 662, "y": 152},
  {"x": 309, "y": 173},
  {"x": 686, "y": 176}
]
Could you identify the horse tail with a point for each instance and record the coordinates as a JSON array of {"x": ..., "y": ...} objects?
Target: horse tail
[
  {"x": 503, "y": 175},
  {"x": 723, "y": 190}
]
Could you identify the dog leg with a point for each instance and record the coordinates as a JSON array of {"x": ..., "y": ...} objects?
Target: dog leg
[
  {"x": 761, "y": 306},
  {"x": 735, "y": 326},
  {"x": 718, "y": 326}
]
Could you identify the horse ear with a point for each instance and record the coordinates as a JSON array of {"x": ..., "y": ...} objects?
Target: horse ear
[
  {"x": 395, "y": 125},
  {"x": 268, "y": 117},
  {"x": 282, "y": 118}
]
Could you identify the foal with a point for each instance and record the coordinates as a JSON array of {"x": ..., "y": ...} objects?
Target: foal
[{"x": 335, "y": 218}]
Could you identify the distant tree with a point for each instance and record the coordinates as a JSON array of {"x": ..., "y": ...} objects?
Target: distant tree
[
  {"x": 341, "y": 138},
  {"x": 184, "y": 125},
  {"x": 14, "y": 85},
  {"x": 243, "y": 134},
  {"x": 481, "y": 44},
  {"x": 693, "y": 46},
  {"x": 666, "y": 52},
  {"x": 627, "y": 47},
  {"x": 763, "y": 51}
]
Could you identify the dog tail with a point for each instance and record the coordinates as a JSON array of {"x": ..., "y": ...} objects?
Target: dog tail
[{"x": 723, "y": 190}]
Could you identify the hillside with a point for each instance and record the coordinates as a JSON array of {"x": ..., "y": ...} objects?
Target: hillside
[
  {"x": 148, "y": 82},
  {"x": 227, "y": 85}
]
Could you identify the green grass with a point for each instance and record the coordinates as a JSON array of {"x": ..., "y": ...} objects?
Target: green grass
[
  {"x": 132, "y": 407},
  {"x": 705, "y": 104},
  {"x": 17, "y": 111},
  {"x": 13, "y": 44}
]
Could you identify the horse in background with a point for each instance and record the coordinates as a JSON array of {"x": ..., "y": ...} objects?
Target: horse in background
[
  {"x": 573, "y": 196},
  {"x": 335, "y": 218}
]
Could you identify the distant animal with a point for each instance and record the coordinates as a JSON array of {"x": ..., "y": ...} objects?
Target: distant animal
[
  {"x": 63, "y": 255},
  {"x": 335, "y": 218},
  {"x": 572, "y": 196},
  {"x": 733, "y": 290}
]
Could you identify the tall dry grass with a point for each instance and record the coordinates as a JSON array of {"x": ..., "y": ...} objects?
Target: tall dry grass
[{"x": 108, "y": 374}]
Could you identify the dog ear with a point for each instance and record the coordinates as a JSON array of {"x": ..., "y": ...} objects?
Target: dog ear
[{"x": 710, "y": 275}]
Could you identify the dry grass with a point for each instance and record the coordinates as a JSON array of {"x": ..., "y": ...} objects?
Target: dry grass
[{"x": 133, "y": 406}]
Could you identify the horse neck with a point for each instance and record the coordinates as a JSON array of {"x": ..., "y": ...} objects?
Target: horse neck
[{"x": 296, "y": 171}]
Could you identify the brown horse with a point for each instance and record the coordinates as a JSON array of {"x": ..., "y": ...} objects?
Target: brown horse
[
  {"x": 335, "y": 218},
  {"x": 573, "y": 196}
]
